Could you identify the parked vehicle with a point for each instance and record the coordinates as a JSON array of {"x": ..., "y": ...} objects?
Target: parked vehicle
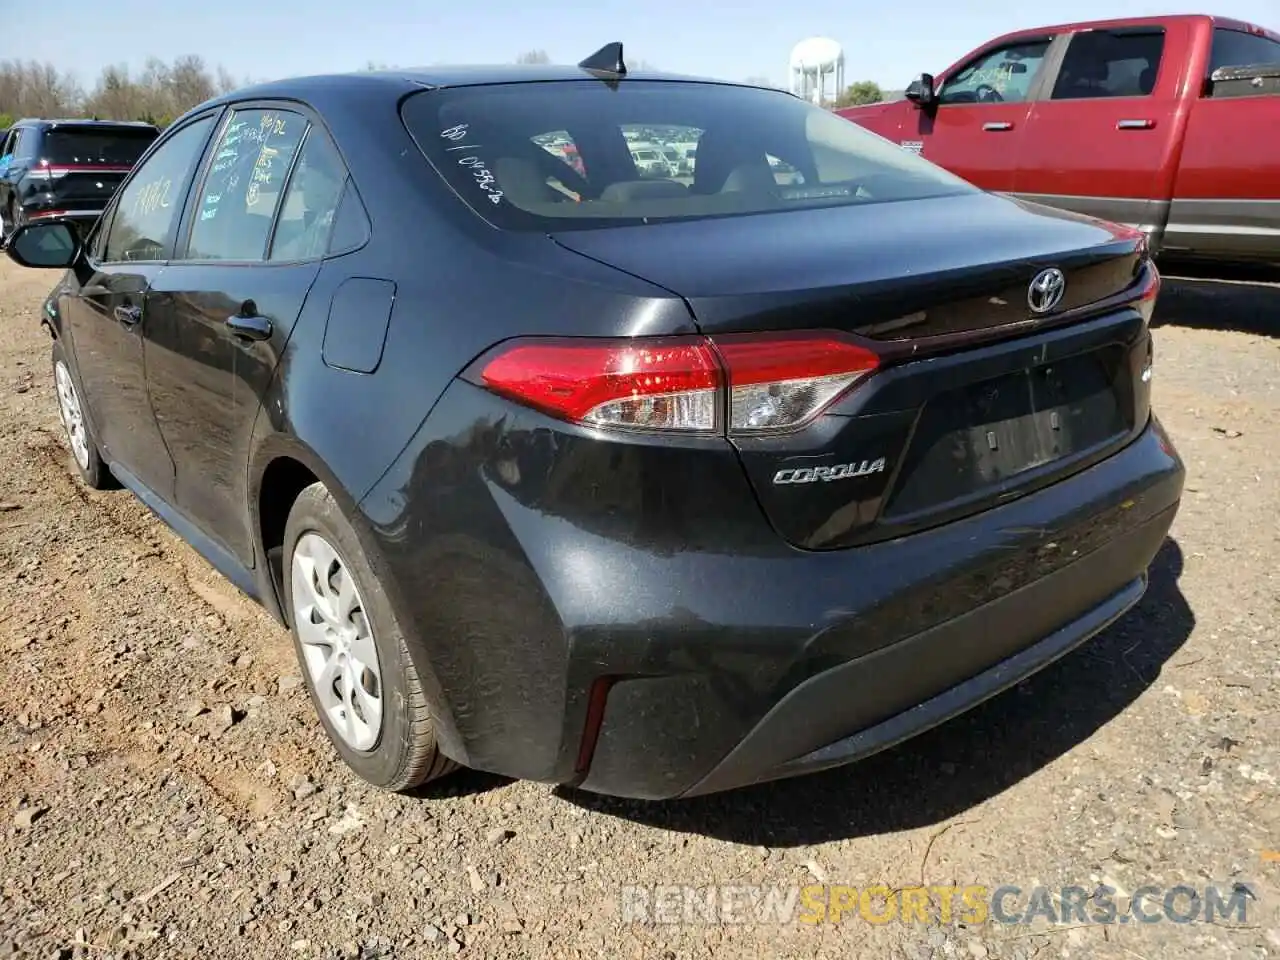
[
  {"x": 1164, "y": 123},
  {"x": 652, "y": 488},
  {"x": 65, "y": 168},
  {"x": 651, "y": 160},
  {"x": 687, "y": 157}
]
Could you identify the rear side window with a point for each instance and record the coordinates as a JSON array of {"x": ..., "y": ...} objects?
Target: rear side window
[
  {"x": 1102, "y": 63},
  {"x": 16, "y": 144},
  {"x": 311, "y": 202},
  {"x": 493, "y": 147},
  {"x": 1001, "y": 76},
  {"x": 237, "y": 202},
  {"x": 1234, "y": 48},
  {"x": 95, "y": 147}
]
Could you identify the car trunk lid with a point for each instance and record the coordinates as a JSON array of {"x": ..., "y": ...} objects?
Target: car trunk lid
[{"x": 979, "y": 397}]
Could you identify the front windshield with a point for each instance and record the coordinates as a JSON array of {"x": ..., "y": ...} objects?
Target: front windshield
[{"x": 758, "y": 151}]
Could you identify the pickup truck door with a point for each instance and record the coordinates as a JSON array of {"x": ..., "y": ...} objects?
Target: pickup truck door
[
  {"x": 975, "y": 130},
  {"x": 1226, "y": 199},
  {"x": 1104, "y": 140}
]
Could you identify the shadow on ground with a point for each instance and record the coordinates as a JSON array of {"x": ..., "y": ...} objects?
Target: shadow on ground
[
  {"x": 1243, "y": 298},
  {"x": 956, "y": 766}
]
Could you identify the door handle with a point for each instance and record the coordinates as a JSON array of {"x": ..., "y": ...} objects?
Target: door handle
[
  {"x": 1135, "y": 124},
  {"x": 249, "y": 328},
  {"x": 997, "y": 126},
  {"x": 128, "y": 314}
]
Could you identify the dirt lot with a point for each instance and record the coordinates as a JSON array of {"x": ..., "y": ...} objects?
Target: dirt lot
[{"x": 167, "y": 792}]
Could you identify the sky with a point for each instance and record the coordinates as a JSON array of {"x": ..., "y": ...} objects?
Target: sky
[{"x": 731, "y": 39}]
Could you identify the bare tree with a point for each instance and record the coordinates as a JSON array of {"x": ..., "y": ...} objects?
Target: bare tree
[
  {"x": 189, "y": 84},
  {"x": 160, "y": 92},
  {"x": 115, "y": 97},
  {"x": 226, "y": 82},
  {"x": 29, "y": 88}
]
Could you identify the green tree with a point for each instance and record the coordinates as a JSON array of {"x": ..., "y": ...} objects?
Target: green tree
[{"x": 860, "y": 93}]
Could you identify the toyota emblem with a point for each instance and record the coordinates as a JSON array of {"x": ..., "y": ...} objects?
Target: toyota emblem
[{"x": 1046, "y": 290}]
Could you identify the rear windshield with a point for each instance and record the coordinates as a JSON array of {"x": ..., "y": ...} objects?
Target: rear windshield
[
  {"x": 578, "y": 154},
  {"x": 117, "y": 148}
]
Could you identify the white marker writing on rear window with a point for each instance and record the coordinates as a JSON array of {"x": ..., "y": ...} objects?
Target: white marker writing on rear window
[{"x": 485, "y": 180}]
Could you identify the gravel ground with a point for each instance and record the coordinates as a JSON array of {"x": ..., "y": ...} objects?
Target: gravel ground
[{"x": 166, "y": 791}]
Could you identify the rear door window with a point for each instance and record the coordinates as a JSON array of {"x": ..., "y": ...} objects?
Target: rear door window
[
  {"x": 237, "y": 202},
  {"x": 1235, "y": 48},
  {"x": 1103, "y": 63}
]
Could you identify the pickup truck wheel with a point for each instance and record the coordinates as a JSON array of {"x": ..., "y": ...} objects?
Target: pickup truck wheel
[
  {"x": 80, "y": 436},
  {"x": 354, "y": 660}
]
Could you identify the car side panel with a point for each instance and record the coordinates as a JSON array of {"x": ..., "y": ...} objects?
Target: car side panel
[
  {"x": 1111, "y": 157},
  {"x": 460, "y": 287},
  {"x": 107, "y": 315},
  {"x": 1226, "y": 199},
  {"x": 206, "y": 384},
  {"x": 885, "y": 119}
]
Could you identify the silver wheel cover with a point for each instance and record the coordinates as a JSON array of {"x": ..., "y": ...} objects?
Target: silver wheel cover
[
  {"x": 72, "y": 414},
  {"x": 337, "y": 642}
]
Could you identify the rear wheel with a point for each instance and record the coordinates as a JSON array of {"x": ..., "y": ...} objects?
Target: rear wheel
[
  {"x": 352, "y": 651},
  {"x": 80, "y": 436}
]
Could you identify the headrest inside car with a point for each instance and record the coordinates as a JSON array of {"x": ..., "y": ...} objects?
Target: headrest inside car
[{"x": 625, "y": 191}]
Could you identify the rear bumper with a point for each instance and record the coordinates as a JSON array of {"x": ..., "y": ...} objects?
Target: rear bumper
[
  {"x": 1028, "y": 629},
  {"x": 699, "y": 653}
]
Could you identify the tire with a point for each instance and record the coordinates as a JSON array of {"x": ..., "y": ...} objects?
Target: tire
[
  {"x": 81, "y": 439},
  {"x": 399, "y": 751}
]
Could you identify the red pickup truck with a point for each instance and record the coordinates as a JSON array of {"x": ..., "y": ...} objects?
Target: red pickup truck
[{"x": 1168, "y": 124}]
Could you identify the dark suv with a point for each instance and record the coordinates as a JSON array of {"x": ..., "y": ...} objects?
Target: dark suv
[{"x": 65, "y": 168}]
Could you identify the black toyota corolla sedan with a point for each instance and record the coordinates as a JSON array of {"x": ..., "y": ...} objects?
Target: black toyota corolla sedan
[{"x": 655, "y": 486}]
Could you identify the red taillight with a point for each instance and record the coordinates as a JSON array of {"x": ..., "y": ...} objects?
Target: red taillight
[
  {"x": 774, "y": 383},
  {"x": 1145, "y": 299},
  {"x": 661, "y": 384},
  {"x": 781, "y": 383}
]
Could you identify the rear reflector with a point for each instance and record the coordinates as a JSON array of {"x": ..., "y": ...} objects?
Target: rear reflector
[{"x": 767, "y": 383}]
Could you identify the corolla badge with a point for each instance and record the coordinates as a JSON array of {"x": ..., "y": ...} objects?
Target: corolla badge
[
  {"x": 840, "y": 471},
  {"x": 1046, "y": 290}
]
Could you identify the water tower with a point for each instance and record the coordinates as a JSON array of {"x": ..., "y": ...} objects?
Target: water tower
[{"x": 817, "y": 69}]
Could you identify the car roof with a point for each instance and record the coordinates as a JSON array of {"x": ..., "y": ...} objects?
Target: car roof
[
  {"x": 438, "y": 77},
  {"x": 1145, "y": 21},
  {"x": 84, "y": 122}
]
